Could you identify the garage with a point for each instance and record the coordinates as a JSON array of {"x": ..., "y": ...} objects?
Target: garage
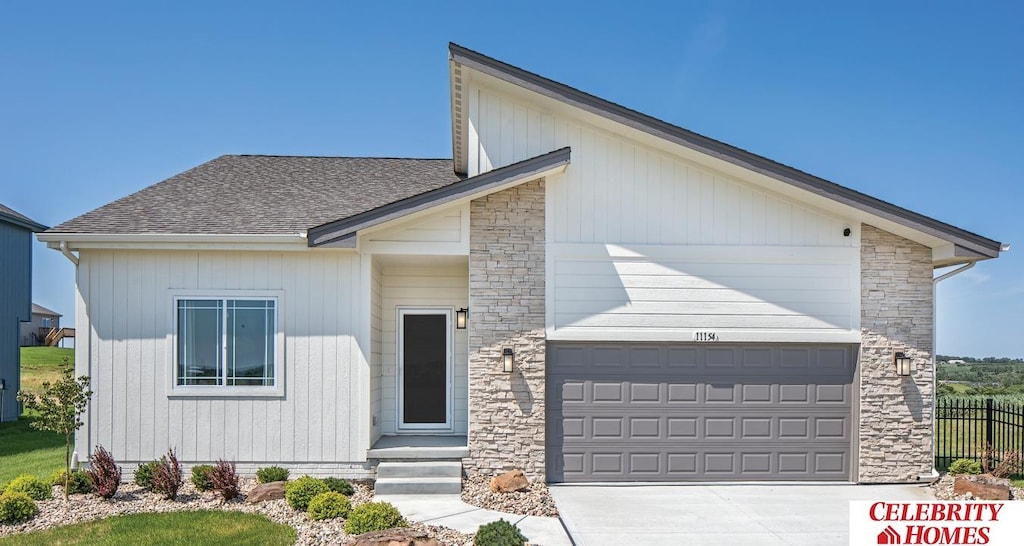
[{"x": 699, "y": 412}]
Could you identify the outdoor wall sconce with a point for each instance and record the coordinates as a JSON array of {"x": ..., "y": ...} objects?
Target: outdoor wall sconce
[
  {"x": 507, "y": 359},
  {"x": 902, "y": 362},
  {"x": 460, "y": 318}
]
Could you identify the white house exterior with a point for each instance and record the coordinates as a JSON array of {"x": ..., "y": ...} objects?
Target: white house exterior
[{"x": 676, "y": 308}]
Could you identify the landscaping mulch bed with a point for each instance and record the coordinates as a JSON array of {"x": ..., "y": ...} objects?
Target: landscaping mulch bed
[
  {"x": 132, "y": 499},
  {"x": 943, "y": 490},
  {"x": 535, "y": 501}
]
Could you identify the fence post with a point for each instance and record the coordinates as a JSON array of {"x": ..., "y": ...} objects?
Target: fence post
[{"x": 989, "y": 440}]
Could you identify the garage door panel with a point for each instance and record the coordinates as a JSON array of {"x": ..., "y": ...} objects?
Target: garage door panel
[{"x": 693, "y": 413}]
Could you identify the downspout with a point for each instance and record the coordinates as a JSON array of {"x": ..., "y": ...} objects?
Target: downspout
[
  {"x": 67, "y": 253},
  {"x": 935, "y": 370}
]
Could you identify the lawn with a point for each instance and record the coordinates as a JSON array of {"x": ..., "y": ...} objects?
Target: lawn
[
  {"x": 172, "y": 529},
  {"x": 39, "y": 364}
]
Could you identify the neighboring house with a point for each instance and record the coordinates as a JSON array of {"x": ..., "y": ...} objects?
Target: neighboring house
[
  {"x": 33, "y": 333},
  {"x": 15, "y": 301},
  {"x": 672, "y": 307}
]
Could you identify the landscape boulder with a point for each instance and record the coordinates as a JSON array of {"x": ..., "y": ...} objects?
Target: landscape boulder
[
  {"x": 266, "y": 492},
  {"x": 983, "y": 487},
  {"x": 395, "y": 537},
  {"x": 510, "y": 481}
]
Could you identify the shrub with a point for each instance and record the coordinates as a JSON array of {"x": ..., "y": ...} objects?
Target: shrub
[
  {"x": 272, "y": 474},
  {"x": 1010, "y": 463},
  {"x": 201, "y": 477},
  {"x": 167, "y": 476},
  {"x": 499, "y": 533},
  {"x": 340, "y": 485},
  {"x": 30, "y": 485},
  {"x": 144, "y": 475},
  {"x": 965, "y": 466},
  {"x": 16, "y": 507},
  {"x": 225, "y": 480},
  {"x": 104, "y": 473},
  {"x": 299, "y": 492},
  {"x": 79, "y": 482},
  {"x": 329, "y": 505},
  {"x": 373, "y": 516}
]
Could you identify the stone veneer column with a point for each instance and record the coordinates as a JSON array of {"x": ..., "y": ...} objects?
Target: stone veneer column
[
  {"x": 896, "y": 315},
  {"x": 506, "y": 309}
]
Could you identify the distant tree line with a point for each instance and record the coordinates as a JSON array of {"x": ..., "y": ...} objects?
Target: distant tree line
[
  {"x": 988, "y": 376},
  {"x": 987, "y": 359}
]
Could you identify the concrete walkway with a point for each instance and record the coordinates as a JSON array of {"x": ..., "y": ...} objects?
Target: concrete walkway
[
  {"x": 733, "y": 515},
  {"x": 450, "y": 511}
]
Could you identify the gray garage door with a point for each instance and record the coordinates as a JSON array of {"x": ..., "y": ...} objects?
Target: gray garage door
[{"x": 670, "y": 412}]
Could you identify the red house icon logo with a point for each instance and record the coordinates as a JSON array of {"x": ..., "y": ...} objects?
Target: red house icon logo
[{"x": 888, "y": 536}]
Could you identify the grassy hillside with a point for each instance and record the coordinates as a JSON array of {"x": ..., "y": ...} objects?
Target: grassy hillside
[{"x": 39, "y": 364}]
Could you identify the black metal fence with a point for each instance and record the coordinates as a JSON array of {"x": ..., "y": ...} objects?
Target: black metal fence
[{"x": 967, "y": 428}]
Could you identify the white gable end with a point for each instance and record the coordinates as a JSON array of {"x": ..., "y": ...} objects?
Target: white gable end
[{"x": 646, "y": 245}]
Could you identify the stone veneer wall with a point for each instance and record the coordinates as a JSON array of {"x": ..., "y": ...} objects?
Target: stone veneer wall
[
  {"x": 896, "y": 315},
  {"x": 506, "y": 309}
]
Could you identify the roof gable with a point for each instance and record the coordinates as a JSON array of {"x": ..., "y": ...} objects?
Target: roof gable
[{"x": 973, "y": 246}]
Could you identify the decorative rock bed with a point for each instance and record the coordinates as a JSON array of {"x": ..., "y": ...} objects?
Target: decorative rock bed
[
  {"x": 534, "y": 501},
  {"x": 132, "y": 499},
  {"x": 943, "y": 489}
]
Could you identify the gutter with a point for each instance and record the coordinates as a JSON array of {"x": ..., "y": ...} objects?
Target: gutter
[{"x": 935, "y": 370}]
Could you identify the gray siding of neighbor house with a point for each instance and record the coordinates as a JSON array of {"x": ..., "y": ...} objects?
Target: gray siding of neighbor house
[
  {"x": 29, "y": 328},
  {"x": 15, "y": 306}
]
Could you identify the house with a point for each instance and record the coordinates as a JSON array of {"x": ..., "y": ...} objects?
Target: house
[
  {"x": 34, "y": 332},
  {"x": 644, "y": 303},
  {"x": 15, "y": 301}
]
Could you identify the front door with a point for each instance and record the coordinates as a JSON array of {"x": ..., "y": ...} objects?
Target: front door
[{"x": 424, "y": 369}]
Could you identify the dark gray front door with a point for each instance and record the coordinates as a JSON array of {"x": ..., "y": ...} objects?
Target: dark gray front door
[
  {"x": 425, "y": 369},
  {"x": 676, "y": 412}
]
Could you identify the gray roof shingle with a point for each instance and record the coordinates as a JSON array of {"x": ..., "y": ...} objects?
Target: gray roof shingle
[{"x": 264, "y": 195}]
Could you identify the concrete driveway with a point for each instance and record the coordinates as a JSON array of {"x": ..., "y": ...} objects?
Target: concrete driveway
[{"x": 733, "y": 515}]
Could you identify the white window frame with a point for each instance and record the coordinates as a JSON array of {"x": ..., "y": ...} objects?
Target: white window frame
[{"x": 221, "y": 391}]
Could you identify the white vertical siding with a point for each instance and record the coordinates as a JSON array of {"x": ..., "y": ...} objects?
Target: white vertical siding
[
  {"x": 694, "y": 249},
  {"x": 442, "y": 227},
  {"x": 423, "y": 286},
  {"x": 376, "y": 355},
  {"x": 126, "y": 345}
]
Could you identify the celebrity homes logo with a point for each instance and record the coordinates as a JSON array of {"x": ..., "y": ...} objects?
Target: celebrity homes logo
[{"x": 936, "y": 522}]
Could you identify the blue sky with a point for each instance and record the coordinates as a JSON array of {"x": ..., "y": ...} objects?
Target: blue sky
[{"x": 917, "y": 103}]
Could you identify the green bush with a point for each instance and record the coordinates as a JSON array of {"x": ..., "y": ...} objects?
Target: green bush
[
  {"x": 272, "y": 474},
  {"x": 80, "y": 482},
  {"x": 298, "y": 493},
  {"x": 16, "y": 507},
  {"x": 31, "y": 486},
  {"x": 201, "y": 477},
  {"x": 965, "y": 466},
  {"x": 340, "y": 485},
  {"x": 499, "y": 533},
  {"x": 329, "y": 505},
  {"x": 373, "y": 516},
  {"x": 144, "y": 475}
]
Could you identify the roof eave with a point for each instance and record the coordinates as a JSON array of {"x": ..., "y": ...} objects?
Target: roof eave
[
  {"x": 720, "y": 150},
  {"x": 341, "y": 233},
  {"x": 25, "y": 223}
]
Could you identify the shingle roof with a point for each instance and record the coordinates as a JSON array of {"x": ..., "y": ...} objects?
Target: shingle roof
[
  {"x": 40, "y": 310},
  {"x": 247, "y": 194},
  {"x": 12, "y": 216}
]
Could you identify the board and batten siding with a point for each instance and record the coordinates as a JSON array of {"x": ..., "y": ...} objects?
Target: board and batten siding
[
  {"x": 15, "y": 306},
  {"x": 376, "y": 348},
  {"x": 126, "y": 315},
  {"x": 442, "y": 232},
  {"x": 426, "y": 287},
  {"x": 644, "y": 245}
]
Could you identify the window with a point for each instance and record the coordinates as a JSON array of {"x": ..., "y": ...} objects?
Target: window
[
  {"x": 47, "y": 322},
  {"x": 226, "y": 342}
]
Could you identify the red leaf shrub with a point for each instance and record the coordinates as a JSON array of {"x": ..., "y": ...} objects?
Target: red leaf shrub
[
  {"x": 104, "y": 473},
  {"x": 167, "y": 476},
  {"x": 225, "y": 480}
]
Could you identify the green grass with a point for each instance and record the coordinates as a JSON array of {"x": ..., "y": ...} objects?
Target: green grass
[
  {"x": 39, "y": 364},
  {"x": 25, "y": 450},
  {"x": 173, "y": 529}
]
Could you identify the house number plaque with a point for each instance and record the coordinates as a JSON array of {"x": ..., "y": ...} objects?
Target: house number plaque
[{"x": 705, "y": 336}]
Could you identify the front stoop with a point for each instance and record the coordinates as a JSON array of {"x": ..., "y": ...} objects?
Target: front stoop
[{"x": 422, "y": 477}]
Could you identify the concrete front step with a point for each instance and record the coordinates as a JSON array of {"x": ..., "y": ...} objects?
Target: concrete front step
[
  {"x": 419, "y": 469},
  {"x": 418, "y": 486}
]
